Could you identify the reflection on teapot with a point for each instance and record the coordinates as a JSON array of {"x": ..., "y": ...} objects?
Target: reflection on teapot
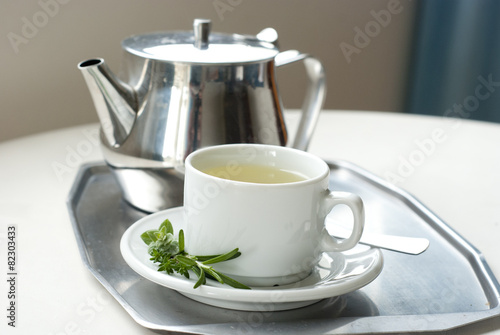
[{"x": 182, "y": 91}]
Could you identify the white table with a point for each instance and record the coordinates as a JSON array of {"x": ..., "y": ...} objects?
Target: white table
[{"x": 452, "y": 166}]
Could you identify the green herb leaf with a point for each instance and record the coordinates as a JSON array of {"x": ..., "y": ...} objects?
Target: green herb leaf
[
  {"x": 181, "y": 240},
  {"x": 225, "y": 257},
  {"x": 201, "y": 279},
  {"x": 213, "y": 273},
  {"x": 233, "y": 283},
  {"x": 205, "y": 258},
  {"x": 168, "y": 226},
  {"x": 186, "y": 260},
  {"x": 153, "y": 235},
  {"x": 147, "y": 236}
]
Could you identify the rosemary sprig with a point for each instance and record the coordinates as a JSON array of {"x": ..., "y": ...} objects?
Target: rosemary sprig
[{"x": 169, "y": 252}]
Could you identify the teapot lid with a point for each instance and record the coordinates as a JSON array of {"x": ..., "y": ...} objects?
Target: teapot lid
[{"x": 200, "y": 46}]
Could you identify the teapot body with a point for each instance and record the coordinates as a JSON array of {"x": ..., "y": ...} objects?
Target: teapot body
[{"x": 183, "y": 107}]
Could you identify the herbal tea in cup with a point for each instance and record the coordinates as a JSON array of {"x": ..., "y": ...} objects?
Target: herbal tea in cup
[
  {"x": 268, "y": 201},
  {"x": 261, "y": 174}
]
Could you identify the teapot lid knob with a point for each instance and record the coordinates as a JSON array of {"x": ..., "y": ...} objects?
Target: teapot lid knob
[{"x": 201, "y": 28}]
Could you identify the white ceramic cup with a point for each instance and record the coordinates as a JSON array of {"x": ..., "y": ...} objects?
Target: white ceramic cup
[{"x": 279, "y": 228}]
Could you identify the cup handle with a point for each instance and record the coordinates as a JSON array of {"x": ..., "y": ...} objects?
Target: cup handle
[
  {"x": 315, "y": 95},
  {"x": 354, "y": 202}
]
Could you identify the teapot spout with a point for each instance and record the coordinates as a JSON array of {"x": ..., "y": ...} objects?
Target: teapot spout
[{"x": 115, "y": 101}]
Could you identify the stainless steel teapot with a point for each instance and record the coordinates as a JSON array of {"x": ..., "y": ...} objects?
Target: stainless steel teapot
[{"x": 181, "y": 91}]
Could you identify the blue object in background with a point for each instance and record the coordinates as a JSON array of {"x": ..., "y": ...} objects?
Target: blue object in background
[{"x": 455, "y": 66}]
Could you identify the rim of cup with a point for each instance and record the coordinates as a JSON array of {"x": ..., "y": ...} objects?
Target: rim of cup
[{"x": 310, "y": 179}]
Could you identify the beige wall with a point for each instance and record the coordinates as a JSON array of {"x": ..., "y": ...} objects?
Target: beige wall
[{"x": 41, "y": 88}]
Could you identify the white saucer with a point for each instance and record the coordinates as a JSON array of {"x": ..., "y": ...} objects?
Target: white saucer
[{"x": 336, "y": 274}]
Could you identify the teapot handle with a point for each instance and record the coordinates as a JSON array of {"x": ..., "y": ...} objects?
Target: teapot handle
[{"x": 315, "y": 95}]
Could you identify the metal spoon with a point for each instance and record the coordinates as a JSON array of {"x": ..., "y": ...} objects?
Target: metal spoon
[{"x": 407, "y": 245}]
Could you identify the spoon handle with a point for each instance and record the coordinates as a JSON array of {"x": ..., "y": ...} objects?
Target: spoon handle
[{"x": 408, "y": 245}]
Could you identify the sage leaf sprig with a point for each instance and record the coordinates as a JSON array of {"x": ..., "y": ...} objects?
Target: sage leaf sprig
[{"x": 169, "y": 252}]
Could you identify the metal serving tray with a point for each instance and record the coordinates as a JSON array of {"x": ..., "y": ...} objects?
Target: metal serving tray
[{"x": 447, "y": 286}]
